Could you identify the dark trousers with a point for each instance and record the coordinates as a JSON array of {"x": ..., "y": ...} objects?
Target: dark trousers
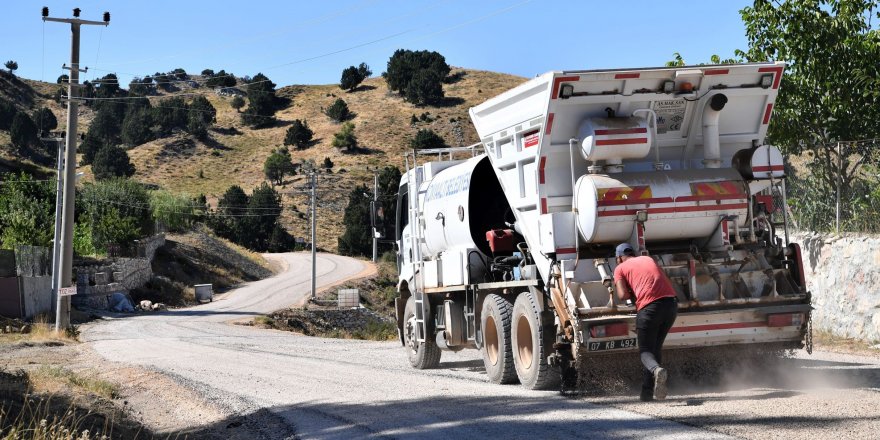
[{"x": 652, "y": 324}]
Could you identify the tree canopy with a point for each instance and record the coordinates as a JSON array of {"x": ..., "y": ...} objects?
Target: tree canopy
[
  {"x": 112, "y": 161},
  {"x": 345, "y": 138},
  {"x": 427, "y": 139},
  {"x": 299, "y": 134},
  {"x": 353, "y": 76},
  {"x": 417, "y": 75},
  {"x": 338, "y": 111},
  {"x": 261, "y": 102},
  {"x": 831, "y": 89}
]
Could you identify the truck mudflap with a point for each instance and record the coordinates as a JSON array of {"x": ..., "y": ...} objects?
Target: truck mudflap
[{"x": 692, "y": 329}]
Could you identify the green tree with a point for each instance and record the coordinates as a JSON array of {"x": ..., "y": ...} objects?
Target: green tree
[
  {"x": 299, "y": 134},
  {"x": 174, "y": 210},
  {"x": 103, "y": 131},
  {"x": 357, "y": 238},
  {"x": 228, "y": 222},
  {"x": 328, "y": 164},
  {"x": 202, "y": 116},
  {"x": 136, "y": 127},
  {"x": 112, "y": 161},
  {"x": 11, "y": 65},
  {"x": 277, "y": 165},
  {"x": 27, "y": 211},
  {"x": 171, "y": 113},
  {"x": 338, "y": 111},
  {"x": 264, "y": 207},
  {"x": 831, "y": 49},
  {"x": 427, "y": 139},
  {"x": 141, "y": 86},
  {"x": 345, "y": 138},
  {"x": 7, "y": 113},
  {"x": 127, "y": 204},
  {"x": 237, "y": 103},
  {"x": 63, "y": 79},
  {"x": 280, "y": 240},
  {"x": 425, "y": 87},
  {"x": 353, "y": 76},
  {"x": 23, "y": 132},
  {"x": 428, "y": 67},
  {"x": 45, "y": 120},
  {"x": 261, "y": 102}
]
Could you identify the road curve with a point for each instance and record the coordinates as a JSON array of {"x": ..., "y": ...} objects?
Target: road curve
[{"x": 343, "y": 389}]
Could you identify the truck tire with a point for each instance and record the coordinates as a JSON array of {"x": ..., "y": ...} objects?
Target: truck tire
[
  {"x": 496, "y": 350},
  {"x": 422, "y": 355},
  {"x": 532, "y": 343}
]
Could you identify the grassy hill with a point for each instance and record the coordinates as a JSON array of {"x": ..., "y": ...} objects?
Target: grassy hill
[{"x": 235, "y": 153}]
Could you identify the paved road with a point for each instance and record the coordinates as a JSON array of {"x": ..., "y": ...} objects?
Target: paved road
[{"x": 343, "y": 389}]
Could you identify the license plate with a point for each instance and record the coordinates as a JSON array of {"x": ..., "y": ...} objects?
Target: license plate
[{"x": 612, "y": 345}]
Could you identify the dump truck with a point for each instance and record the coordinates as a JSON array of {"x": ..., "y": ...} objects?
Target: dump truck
[{"x": 507, "y": 246}]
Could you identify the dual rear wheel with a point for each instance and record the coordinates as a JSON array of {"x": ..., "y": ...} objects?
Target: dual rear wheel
[{"x": 517, "y": 342}]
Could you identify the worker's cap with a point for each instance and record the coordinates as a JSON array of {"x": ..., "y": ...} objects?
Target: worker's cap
[{"x": 624, "y": 249}]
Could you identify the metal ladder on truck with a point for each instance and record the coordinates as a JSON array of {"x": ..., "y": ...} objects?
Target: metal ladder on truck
[{"x": 414, "y": 181}]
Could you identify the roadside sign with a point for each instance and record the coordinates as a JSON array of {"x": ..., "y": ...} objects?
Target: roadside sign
[{"x": 67, "y": 291}]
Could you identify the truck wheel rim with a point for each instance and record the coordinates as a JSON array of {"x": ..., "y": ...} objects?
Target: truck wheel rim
[
  {"x": 411, "y": 335},
  {"x": 491, "y": 340},
  {"x": 524, "y": 348}
]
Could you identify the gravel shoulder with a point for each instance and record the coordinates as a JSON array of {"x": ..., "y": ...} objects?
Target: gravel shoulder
[{"x": 823, "y": 395}]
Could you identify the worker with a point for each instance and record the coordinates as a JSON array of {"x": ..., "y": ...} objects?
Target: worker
[{"x": 639, "y": 278}]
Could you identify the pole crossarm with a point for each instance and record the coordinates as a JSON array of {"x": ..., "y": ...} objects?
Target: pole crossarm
[{"x": 76, "y": 21}]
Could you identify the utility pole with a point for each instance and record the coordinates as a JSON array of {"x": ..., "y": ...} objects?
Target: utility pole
[
  {"x": 314, "y": 234},
  {"x": 59, "y": 188},
  {"x": 65, "y": 260},
  {"x": 375, "y": 231}
]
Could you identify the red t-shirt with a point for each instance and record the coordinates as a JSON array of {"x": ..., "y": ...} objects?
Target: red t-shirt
[{"x": 646, "y": 280}]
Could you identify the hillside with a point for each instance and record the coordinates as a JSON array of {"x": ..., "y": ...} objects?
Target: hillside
[{"x": 235, "y": 154}]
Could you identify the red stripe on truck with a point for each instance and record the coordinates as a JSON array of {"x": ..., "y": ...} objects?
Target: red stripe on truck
[
  {"x": 627, "y": 75},
  {"x": 558, "y": 81},
  {"x": 716, "y": 72},
  {"x": 629, "y": 141},
  {"x": 549, "y": 126},
  {"x": 725, "y": 326},
  {"x": 621, "y": 131},
  {"x": 777, "y": 74},
  {"x": 672, "y": 210},
  {"x": 541, "y": 166},
  {"x": 767, "y": 114},
  {"x": 770, "y": 168}
]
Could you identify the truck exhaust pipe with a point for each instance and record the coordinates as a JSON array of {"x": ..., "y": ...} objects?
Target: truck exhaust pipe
[{"x": 711, "y": 137}]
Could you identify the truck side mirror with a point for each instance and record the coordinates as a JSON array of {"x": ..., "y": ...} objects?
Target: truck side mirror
[{"x": 377, "y": 218}]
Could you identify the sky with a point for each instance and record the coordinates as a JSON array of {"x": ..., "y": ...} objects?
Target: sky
[{"x": 311, "y": 42}]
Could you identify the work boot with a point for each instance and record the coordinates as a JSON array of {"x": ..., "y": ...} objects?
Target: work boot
[
  {"x": 646, "y": 396},
  {"x": 660, "y": 383}
]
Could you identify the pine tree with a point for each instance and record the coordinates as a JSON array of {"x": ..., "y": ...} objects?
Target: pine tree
[
  {"x": 357, "y": 237},
  {"x": 345, "y": 138},
  {"x": 427, "y": 139},
  {"x": 338, "y": 111},
  {"x": 299, "y": 134},
  {"x": 23, "y": 132},
  {"x": 112, "y": 161},
  {"x": 261, "y": 98}
]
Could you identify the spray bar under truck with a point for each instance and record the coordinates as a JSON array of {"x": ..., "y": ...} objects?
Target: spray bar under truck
[{"x": 504, "y": 246}]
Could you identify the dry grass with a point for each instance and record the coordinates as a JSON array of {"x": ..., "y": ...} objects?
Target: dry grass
[
  {"x": 236, "y": 153},
  {"x": 48, "y": 377},
  {"x": 40, "y": 332},
  {"x": 826, "y": 341}
]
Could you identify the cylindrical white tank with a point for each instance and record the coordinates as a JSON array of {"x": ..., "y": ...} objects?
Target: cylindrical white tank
[
  {"x": 681, "y": 204},
  {"x": 615, "y": 139},
  {"x": 462, "y": 203}
]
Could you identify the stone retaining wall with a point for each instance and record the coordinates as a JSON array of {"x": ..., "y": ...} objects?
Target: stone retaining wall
[{"x": 843, "y": 274}]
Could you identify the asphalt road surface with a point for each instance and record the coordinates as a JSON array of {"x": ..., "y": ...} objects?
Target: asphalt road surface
[{"x": 305, "y": 387}]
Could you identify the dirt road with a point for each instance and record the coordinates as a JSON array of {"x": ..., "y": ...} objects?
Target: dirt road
[{"x": 290, "y": 385}]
